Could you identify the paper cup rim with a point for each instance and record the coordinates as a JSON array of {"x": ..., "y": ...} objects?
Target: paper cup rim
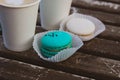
[{"x": 20, "y": 6}]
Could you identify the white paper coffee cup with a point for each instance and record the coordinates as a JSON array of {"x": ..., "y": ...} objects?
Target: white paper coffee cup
[
  {"x": 52, "y": 12},
  {"x": 18, "y": 25}
]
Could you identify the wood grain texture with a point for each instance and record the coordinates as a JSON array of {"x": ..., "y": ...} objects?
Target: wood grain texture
[
  {"x": 102, "y": 47},
  {"x": 111, "y": 46},
  {"x": 80, "y": 63},
  {"x": 98, "y": 5},
  {"x": 98, "y": 58},
  {"x": 111, "y": 33},
  {"x": 16, "y": 70},
  {"x": 108, "y": 18},
  {"x": 106, "y": 44},
  {"x": 113, "y": 1}
]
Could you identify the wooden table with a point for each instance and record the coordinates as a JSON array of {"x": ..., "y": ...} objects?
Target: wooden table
[{"x": 98, "y": 59}]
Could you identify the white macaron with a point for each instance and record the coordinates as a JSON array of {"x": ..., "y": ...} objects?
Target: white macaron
[{"x": 80, "y": 26}]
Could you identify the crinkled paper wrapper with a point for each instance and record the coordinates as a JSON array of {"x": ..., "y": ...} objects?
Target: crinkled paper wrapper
[
  {"x": 99, "y": 26},
  {"x": 63, "y": 54}
]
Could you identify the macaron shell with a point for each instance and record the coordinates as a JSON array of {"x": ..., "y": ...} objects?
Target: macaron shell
[
  {"x": 48, "y": 53},
  {"x": 58, "y": 48},
  {"x": 80, "y": 26},
  {"x": 56, "y": 40}
]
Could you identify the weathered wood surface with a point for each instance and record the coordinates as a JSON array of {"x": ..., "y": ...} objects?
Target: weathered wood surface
[
  {"x": 80, "y": 63},
  {"x": 98, "y": 58},
  {"x": 111, "y": 48},
  {"x": 102, "y": 47},
  {"x": 111, "y": 33},
  {"x": 98, "y": 5},
  {"x": 107, "y": 48},
  {"x": 114, "y": 1},
  {"x": 16, "y": 70},
  {"x": 108, "y": 18}
]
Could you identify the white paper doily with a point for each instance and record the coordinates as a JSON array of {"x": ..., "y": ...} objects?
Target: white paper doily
[
  {"x": 99, "y": 26},
  {"x": 63, "y": 54}
]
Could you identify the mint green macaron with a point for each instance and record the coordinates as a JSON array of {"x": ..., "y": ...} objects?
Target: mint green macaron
[{"x": 54, "y": 41}]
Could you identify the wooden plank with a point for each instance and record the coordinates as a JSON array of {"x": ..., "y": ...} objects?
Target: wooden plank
[
  {"x": 102, "y": 47},
  {"x": 98, "y": 5},
  {"x": 107, "y": 18},
  {"x": 111, "y": 33},
  {"x": 112, "y": 19},
  {"x": 98, "y": 66},
  {"x": 112, "y": 48},
  {"x": 114, "y": 1},
  {"x": 80, "y": 63},
  {"x": 16, "y": 70}
]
